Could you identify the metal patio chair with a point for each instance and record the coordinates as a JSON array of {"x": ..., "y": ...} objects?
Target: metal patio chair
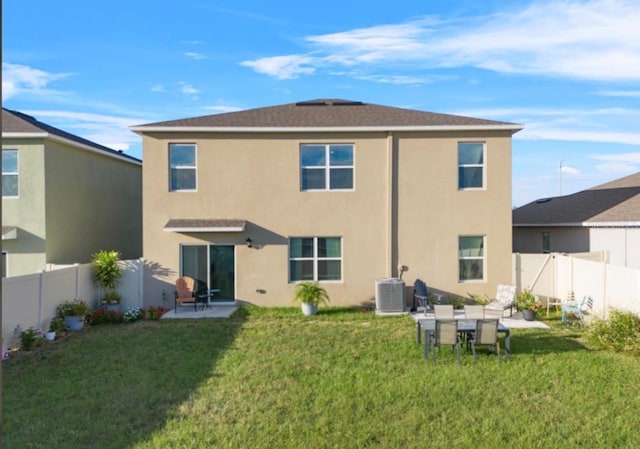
[
  {"x": 446, "y": 334},
  {"x": 486, "y": 334}
]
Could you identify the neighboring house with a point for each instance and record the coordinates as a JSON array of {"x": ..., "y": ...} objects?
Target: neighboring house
[
  {"x": 251, "y": 202},
  {"x": 603, "y": 218},
  {"x": 64, "y": 197}
]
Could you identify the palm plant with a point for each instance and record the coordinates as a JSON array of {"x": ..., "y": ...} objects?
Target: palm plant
[{"x": 310, "y": 293}]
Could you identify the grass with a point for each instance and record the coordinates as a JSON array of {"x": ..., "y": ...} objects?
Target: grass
[{"x": 345, "y": 378}]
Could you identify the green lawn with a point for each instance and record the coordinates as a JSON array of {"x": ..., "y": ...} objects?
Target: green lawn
[{"x": 271, "y": 378}]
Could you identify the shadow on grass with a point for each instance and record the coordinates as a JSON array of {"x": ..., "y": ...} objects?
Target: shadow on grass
[
  {"x": 537, "y": 342},
  {"x": 111, "y": 386}
]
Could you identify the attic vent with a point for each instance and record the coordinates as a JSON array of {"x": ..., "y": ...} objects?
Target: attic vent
[
  {"x": 543, "y": 200},
  {"x": 347, "y": 103},
  {"x": 311, "y": 103}
]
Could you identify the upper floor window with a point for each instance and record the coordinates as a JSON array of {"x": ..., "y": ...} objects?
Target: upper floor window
[
  {"x": 182, "y": 166},
  {"x": 326, "y": 167},
  {"x": 10, "y": 173},
  {"x": 315, "y": 259},
  {"x": 471, "y": 258},
  {"x": 470, "y": 165}
]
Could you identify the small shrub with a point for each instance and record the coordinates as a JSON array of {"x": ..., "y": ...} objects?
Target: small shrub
[
  {"x": 480, "y": 299},
  {"x": 103, "y": 316},
  {"x": 154, "y": 313},
  {"x": 57, "y": 325},
  {"x": 30, "y": 338},
  {"x": 621, "y": 332},
  {"x": 132, "y": 314}
]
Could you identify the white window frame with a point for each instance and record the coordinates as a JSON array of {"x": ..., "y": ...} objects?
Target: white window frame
[
  {"x": 16, "y": 173},
  {"x": 193, "y": 167},
  {"x": 315, "y": 259},
  {"x": 327, "y": 167},
  {"x": 482, "y": 166},
  {"x": 483, "y": 258}
]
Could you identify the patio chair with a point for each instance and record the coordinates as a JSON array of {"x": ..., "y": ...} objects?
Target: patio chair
[
  {"x": 578, "y": 308},
  {"x": 185, "y": 292},
  {"x": 443, "y": 311},
  {"x": 505, "y": 299},
  {"x": 473, "y": 311},
  {"x": 486, "y": 334},
  {"x": 446, "y": 334},
  {"x": 420, "y": 296}
]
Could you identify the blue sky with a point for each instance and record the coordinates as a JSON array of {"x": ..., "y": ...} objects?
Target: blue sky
[{"x": 568, "y": 70}]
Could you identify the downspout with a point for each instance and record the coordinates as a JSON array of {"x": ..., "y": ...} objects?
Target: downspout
[{"x": 389, "y": 243}]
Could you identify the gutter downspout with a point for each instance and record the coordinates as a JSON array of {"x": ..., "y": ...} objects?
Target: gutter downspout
[{"x": 389, "y": 243}]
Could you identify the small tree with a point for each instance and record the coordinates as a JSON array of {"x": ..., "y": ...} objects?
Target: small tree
[{"x": 106, "y": 270}]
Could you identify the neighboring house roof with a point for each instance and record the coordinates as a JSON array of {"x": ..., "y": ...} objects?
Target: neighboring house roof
[
  {"x": 616, "y": 203},
  {"x": 19, "y": 125},
  {"x": 327, "y": 115}
]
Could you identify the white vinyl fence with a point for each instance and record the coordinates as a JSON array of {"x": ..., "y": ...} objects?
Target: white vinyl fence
[
  {"x": 554, "y": 275},
  {"x": 31, "y": 300}
]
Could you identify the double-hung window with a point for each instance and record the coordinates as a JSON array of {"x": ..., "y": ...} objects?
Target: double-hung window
[
  {"x": 182, "y": 166},
  {"x": 315, "y": 259},
  {"x": 326, "y": 166},
  {"x": 471, "y": 257},
  {"x": 10, "y": 173},
  {"x": 470, "y": 165}
]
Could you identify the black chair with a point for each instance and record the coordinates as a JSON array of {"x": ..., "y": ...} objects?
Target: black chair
[{"x": 420, "y": 296}]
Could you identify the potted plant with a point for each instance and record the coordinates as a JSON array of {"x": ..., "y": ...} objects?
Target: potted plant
[
  {"x": 528, "y": 304},
  {"x": 310, "y": 295},
  {"x": 107, "y": 273},
  {"x": 74, "y": 313},
  {"x": 111, "y": 301},
  {"x": 56, "y": 325}
]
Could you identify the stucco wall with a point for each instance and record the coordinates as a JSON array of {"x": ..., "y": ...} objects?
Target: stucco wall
[
  {"x": 571, "y": 239},
  {"x": 26, "y": 253},
  {"x": 93, "y": 202},
  {"x": 411, "y": 214}
]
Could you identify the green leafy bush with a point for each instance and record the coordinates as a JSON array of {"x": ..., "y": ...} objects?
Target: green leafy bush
[
  {"x": 621, "y": 332},
  {"x": 77, "y": 307},
  {"x": 29, "y": 338}
]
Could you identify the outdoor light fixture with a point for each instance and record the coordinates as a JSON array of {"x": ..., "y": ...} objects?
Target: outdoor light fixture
[{"x": 249, "y": 242}]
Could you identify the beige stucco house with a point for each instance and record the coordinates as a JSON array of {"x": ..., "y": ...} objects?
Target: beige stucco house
[
  {"x": 602, "y": 218},
  {"x": 64, "y": 197},
  {"x": 342, "y": 192}
]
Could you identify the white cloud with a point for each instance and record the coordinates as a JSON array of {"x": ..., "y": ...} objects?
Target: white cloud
[
  {"x": 196, "y": 56},
  {"x": 283, "y": 67},
  {"x": 107, "y": 130},
  {"x": 157, "y": 88},
  {"x": 188, "y": 89},
  {"x": 20, "y": 79},
  {"x": 620, "y": 93},
  {"x": 568, "y": 170},
  {"x": 223, "y": 108},
  {"x": 593, "y": 40}
]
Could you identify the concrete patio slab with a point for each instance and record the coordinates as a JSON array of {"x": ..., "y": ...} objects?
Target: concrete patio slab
[{"x": 217, "y": 311}]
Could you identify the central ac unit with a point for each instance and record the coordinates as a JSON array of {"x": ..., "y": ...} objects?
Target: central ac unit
[{"x": 390, "y": 295}]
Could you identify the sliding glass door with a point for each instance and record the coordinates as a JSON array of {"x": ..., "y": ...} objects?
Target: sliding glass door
[{"x": 213, "y": 268}]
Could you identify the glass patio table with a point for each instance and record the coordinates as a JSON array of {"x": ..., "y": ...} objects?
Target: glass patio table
[{"x": 464, "y": 326}]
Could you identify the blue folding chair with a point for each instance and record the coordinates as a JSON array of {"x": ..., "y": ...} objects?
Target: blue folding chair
[{"x": 578, "y": 308}]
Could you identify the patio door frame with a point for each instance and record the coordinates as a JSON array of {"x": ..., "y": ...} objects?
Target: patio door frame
[{"x": 208, "y": 246}]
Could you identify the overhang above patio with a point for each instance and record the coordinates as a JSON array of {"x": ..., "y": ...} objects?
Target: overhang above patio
[
  {"x": 204, "y": 225},
  {"x": 9, "y": 232}
]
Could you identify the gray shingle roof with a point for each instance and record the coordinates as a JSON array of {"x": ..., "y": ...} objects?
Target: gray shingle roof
[
  {"x": 18, "y": 122},
  {"x": 328, "y": 113},
  {"x": 613, "y": 202}
]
